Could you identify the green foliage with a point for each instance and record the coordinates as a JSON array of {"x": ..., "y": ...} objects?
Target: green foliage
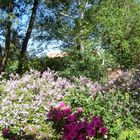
[
  {"x": 56, "y": 63},
  {"x": 12, "y": 62},
  {"x": 87, "y": 63},
  {"x": 11, "y": 67},
  {"x": 113, "y": 106},
  {"x": 116, "y": 24},
  {"x": 130, "y": 135},
  {"x": 43, "y": 63},
  {"x": 34, "y": 63}
]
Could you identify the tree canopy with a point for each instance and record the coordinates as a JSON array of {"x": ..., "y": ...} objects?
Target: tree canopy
[{"x": 112, "y": 26}]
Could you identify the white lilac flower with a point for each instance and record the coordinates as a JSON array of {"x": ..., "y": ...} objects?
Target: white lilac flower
[{"x": 28, "y": 99}]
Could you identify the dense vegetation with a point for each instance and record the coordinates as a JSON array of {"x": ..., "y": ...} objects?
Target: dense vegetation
[
  {"x": 26, "y": 101},
  {"x": 91, "y": 91}
]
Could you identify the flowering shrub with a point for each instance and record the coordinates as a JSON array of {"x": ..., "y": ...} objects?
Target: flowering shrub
[
  {"x": 7, "y": 133},
  {"x": 118, "y": 101},
  {"x": 72, "y": 127},
  {"x": 25, "y": 100},
  {"x": 128, "y": 85}
]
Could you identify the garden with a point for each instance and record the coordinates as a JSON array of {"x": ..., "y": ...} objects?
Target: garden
[
  {"x": 48, "y": 106},
  {"x": 89, "y": 89}
]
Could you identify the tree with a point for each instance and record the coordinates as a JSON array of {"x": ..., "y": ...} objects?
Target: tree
[
  {"x": 27, "y": 36},
  {"x": 9, "y": 6},
  {"x": 116, "y": 25},
  {"x": 72, "y": 31}
]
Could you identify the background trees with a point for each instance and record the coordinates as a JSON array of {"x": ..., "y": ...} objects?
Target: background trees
[
  {"x": 97, "y": 34},
  {"x": 27, "y": 36},
  {"x": 8, "y": 7},
  {"x": 116, "y": 26}
]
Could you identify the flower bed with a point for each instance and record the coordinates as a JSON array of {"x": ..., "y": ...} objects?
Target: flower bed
[{"x": 25, "y": 102}]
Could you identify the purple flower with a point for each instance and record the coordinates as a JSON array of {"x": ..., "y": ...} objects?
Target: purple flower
[
  {"x": 104, "y": 130},
  {"x": 69, "y": 126},
  {"x": 66, "y": 110},
  {"x": 73, "y": 134},
  {"x": 49, "y": 115},
  {"x": 81, "y": 125},
  {"x": 6, "y": 132},
  {"x": 79, "y": 109},
  {"x": 91, "y": 132},
  {"x": 81, "y": 137},
  {"x": 60, "y": 105},
  {"x": 74, "y": 128},
  {"x": 97, "y": 122},
  {"x": 72, "y": 118},
  {"x": 59, "y": 115},
  {"x": 69, "y": 136}
]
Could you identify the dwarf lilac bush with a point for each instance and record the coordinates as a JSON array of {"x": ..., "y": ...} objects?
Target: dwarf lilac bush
[
  {"x": 73, "y": 127},
  {"x": 25, "y": 100}
]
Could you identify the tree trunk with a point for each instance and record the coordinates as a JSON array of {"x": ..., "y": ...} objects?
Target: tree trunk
[
  {"x": 81, "y": 11},
  {"x": 27, "y": 37},
  {"x": 8, "y": 38}
]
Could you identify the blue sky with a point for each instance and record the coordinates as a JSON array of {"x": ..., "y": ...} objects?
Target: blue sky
[{"x": 21, "y": 24}]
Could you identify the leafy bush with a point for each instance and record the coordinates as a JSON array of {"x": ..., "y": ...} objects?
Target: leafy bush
[
  {"x": 112, "y": 32},
  {"x": 128, "y": 83},
  {"x": 112, "y": 106},
  {"x": 130, "y": 135},
  {"x": 25, "y": 101},
  {"x": 118, "y": 101},
  {"x": 86, "y": 63}
]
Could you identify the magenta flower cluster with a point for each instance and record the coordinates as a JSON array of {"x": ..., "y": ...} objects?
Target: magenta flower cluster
[
  {"x": 72, "y": 127},
  {"x": 6, "y": 132}
]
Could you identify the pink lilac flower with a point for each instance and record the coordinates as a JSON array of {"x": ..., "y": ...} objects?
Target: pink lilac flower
[
  {"x": 97, "y": 122},
  {"x": 79, "y": 109},
  {"x": 91, "y": 132},
  {"x": 6, "y": 132},
  {"x": 72, "y": 117},
  {"x": 60, "y": 105},
  {"x": 81, "y": 137},
  {"x": 104, "y": 130},
  {"x": 66, "y": 110}
]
